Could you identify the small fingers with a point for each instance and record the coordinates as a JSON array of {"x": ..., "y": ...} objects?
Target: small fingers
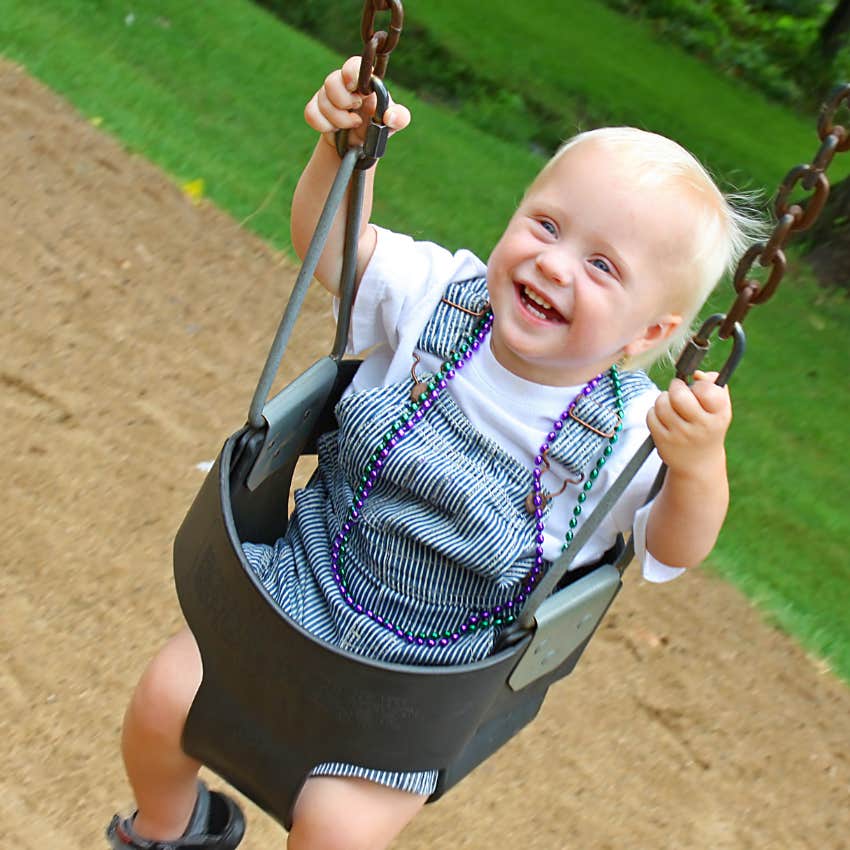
[
  {"x": 656, "y": 427},
  {"x": 350, "y": 72},
  {"x": 323, "y": 117},
  {"x": 683, "y": 400},
  {"x": 342, "y": 117},
  {"x": 338, "y": 94},
  {"x": 337, "y": 105},
  {"x": 661, "y": 412},
  {"x": 397, "y": 117},
  {"x": 683, "y": 404},
  {"x": 678, "y": 403},
  {"x": 711, "y": 397},
  {"x": 334, "y": 106}
]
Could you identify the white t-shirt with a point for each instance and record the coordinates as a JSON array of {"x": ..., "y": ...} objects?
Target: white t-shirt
[{"x": 399, "y": 291}]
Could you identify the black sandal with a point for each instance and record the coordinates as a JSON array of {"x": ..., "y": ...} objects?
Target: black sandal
[{"x": 217, "y": 823}]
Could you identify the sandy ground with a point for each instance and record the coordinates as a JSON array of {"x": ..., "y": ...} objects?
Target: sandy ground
[{"x": 134, "y": 327}]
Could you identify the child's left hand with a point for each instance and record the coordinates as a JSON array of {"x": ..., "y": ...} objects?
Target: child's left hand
[{"x": 689, "y": 423}]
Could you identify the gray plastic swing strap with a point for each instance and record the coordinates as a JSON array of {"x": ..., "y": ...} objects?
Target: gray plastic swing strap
[
  {"x": 348, "y": 274},
  {"x": 302, "y": 282}
]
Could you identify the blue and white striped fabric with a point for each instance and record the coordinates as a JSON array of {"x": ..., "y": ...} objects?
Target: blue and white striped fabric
[{"x": 443, "y": 534}]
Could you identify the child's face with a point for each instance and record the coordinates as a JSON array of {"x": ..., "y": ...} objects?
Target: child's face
[{"x": 586, "y": 270}]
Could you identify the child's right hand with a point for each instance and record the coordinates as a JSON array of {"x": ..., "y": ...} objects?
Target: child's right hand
[{"x": 337, "y": 106}]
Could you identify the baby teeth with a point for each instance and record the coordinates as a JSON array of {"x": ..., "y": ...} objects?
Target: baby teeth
[{"x": 533, "y": 296}]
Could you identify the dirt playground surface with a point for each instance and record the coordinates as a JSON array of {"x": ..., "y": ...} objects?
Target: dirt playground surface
[{"x": 134, "y": 326}]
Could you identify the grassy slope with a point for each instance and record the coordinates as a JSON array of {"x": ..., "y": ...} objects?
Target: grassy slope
[{"x": 215, "y": 91}]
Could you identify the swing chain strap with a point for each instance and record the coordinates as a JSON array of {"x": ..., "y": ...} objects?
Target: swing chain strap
[
  {"x": 377, "y": 45},
  {"x": 375, "y": 144},
  {"x": 561, "y": 565},
  {"x": 299, "y": 290},
  {"x": 790, "y": 217}
]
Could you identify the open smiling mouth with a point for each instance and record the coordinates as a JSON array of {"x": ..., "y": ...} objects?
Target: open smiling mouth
[{"x": 538, "y": 306}]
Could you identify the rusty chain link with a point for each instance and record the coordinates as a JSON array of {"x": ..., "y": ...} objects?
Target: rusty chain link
[
  {"x": 377, "y": 45},
  {"x": 791, "y": 218}
]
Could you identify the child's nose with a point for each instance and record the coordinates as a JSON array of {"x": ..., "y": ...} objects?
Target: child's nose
[{"x": 555, "y": 266}]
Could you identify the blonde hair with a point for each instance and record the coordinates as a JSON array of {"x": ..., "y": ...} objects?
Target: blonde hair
[{"x": 724, "y": 225}]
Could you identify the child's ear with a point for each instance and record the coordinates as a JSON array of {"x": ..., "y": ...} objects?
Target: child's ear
[{"x": 654, "y": 335}]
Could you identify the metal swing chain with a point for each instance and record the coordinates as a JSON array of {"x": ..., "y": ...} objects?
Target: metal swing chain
[
  {"x": 790, "y": 218},
  {"x": 377, "y": 48}
]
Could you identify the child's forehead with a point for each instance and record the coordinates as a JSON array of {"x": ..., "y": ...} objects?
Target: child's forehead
[
  {"x": 592, "y": 177},
  {"x": 593, "y": 162}
]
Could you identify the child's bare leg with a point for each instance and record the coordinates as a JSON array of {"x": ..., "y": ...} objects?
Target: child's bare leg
[
  {"x": 344, "y": 813},
  {"x": 163, "y": 777}
]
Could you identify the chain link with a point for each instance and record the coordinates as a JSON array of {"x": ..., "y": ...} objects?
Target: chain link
[
  {"x": 377, "y": 45},
  {"x": 825, "y": 126},
  {"x": 791, "y": 217}
]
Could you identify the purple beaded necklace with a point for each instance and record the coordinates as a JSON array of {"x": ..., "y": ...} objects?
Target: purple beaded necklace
[{"x": 414, "y": 411}]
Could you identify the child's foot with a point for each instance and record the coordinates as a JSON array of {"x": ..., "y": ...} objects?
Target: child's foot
[{"x": 217, "y": 823}]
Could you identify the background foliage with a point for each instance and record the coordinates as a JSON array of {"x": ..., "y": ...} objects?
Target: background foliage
[{"x": 775, "y": 45}]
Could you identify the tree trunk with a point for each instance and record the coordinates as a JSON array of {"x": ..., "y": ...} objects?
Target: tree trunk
[
  {"x": 834, "y": 31},
  {"x": 829, "y": 239}
]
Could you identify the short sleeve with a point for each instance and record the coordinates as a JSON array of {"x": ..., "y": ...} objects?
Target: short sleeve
[
  {"x": 653, "y": 569},
  {"x": 399, "y": 291},
  {"x": 402, "y": 285}
]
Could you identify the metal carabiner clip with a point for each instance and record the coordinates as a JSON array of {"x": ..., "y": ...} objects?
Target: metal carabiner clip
[
  {"x": 377, "y": 133},
  {"x": 698, "y": 345}
]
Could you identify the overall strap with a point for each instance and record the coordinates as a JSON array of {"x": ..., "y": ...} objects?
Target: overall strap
[
  {"x": 463, "y": 303},
  {"x": 593, "y": 421}
]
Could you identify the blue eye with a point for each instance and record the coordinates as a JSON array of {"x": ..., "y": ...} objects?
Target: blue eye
[
  {"x": 600, "y": 264},
  {"x": 548, "y": 226}
]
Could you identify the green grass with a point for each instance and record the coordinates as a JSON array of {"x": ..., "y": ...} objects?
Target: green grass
[{"x": 215, "y": 91}]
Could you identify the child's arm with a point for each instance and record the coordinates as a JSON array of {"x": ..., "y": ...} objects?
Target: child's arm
[
  {"x": 335, "y": 106},
  {"x": 689, "y": 426}
]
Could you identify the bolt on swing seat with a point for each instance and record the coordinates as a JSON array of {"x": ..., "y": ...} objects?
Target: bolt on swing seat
[{"x": 275, "y": 701}]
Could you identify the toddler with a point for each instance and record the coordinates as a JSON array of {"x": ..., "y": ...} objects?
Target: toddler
[{"x": 495, "y": 405}]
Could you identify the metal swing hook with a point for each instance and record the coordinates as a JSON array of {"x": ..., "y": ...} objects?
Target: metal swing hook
[
  {"x": 377, "y": 133},
  {"x": 698, "y": 345}
]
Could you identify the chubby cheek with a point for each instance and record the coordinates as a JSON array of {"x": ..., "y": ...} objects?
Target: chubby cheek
[
  {"x": 500, "y": 287},
  {"x": 498, "y": 302},
  {"x": 496, "y": 265},
  {"x": 511, "y": 249}
]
